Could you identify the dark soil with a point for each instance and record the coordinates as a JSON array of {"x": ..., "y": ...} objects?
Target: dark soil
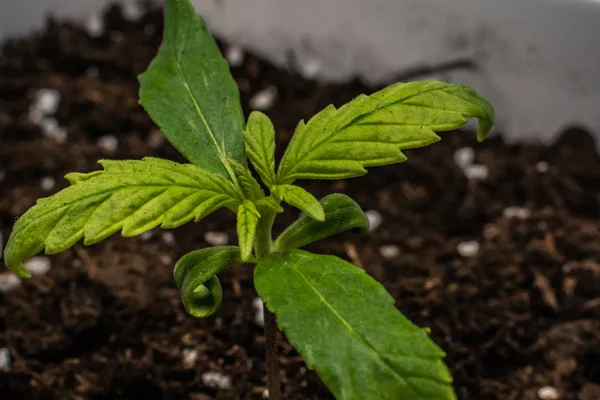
[{"x": 106, "y": 322}]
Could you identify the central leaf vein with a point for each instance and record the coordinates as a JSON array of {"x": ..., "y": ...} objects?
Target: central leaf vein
[{"x": 197, "y": 107}]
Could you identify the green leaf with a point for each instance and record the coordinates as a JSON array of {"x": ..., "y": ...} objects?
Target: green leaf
[
  {"x": 247, "y": 219},
  {"x": 250, "y": 187},
  {"x": 346, "y": 327},
  {"x": 195, "y": 275},
  {"x": 269, "y": 202},
  {"x": 341, "y": 214},
  {"x": 260, "y": 146},
  {"x": 300, "y": 198},
  {"x": 370, "y": 130},
  {"x": 134, "y": 196},
  {"x": 190, "y": 93}
]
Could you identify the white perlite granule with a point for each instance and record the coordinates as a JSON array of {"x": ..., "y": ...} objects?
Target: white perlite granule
[
  {"x": 468, "y": 249},
  {"x": 95, "y": 26},
  {"x": 108, "y": 143},
  {"x": 132, "y": 11},
  {"x": 216, "y": 380},
  {"x": 39, "y": 265},
  {"x": 234, "y": 55},
  {"x": 477, "y": 172},
  {"x": 42, "y": 109},
  {"x": 516, "y": 212},
  {"x": 464, "y": 157},
  {"x": 310, "y": 68},
  {"x": 147, "y": 235},
  {"x": 166, "y": 259},
  {"x": 216, "y": 238},
  {"x": 8, "y": 282},
  {"x": 156, "y": 139},
  {"x": 547, "y": 393},
  {"x": 52, "y": 130},
  {"x": 259, "y": 312},
  {"x": 47, "y": 101},
  {"x": 374, "y": 218},
  {"x": 189, "y": 357},
  {"x": 541, "y": 167},
  {"x": 4, "y": 359},
  {"x": 168, "y": 238},
  {"x": 47, "y": 183},
  {"x": 389, "y": 251},
  {"x": 264, "y": 99}
]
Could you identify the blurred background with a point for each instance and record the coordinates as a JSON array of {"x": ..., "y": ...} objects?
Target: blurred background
[
  {"x": 495, "y": 246},
  {"x": 536, "y": 60}
]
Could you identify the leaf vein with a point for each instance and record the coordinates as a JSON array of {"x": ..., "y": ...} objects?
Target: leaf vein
[
  {"x": 197, "y": 107},
  {"x": 372, "y": 350}
]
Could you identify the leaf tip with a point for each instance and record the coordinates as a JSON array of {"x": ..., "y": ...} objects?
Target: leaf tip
[
  {"x": 485, "y": 126},
  {"x": 483, "y": 131},
  {"x": 18, "y": 269},
  {"x": 318, "y": 214}
]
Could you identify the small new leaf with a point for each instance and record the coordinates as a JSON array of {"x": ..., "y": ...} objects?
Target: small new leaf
[
  {"x": 250, "y": 187},
  {"x": 346, "y": 327},
  {"x": 371, "y": 130},
  {"x": 195, "y": 275},
  {"x": 247, "y": 219},
  {"x": 260, "y": 146},
  {"x": 132, "y": 196},
  {"x": 301, "y": 199},
  {"x": 190, "y": 93},
  {"x": 269, "y": 202},
  {"x": 341, "y": 214}
]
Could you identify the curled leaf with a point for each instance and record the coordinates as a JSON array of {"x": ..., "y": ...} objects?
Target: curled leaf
[{"x": 195, "y": 275}]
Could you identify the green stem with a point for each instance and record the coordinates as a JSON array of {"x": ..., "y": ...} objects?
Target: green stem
[
  {"x": 263, "y": 243},
  {"x": 263, "y": 246}
]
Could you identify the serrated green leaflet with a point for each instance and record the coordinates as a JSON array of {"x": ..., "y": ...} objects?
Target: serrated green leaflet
[
  {"x": 300, "y": 198},
  {"x": 190, "y": 93},
  {"x": 195, "y": 275},
  {"x": 250, "y": 187},
  {"x": 341, "y": 214},
  {"x": 346, "y": 327},
  {"x": 260, "y": 146},
  {"x": 132, "y": 196},
  {"x": 247, "y": 219},
  {"x": 371, "y": 130}
]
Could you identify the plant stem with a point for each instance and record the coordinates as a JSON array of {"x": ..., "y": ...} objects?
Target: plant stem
[
  {"x": 263, "y": 247},
  {"x": 263, "y": 243},
  {"x": 272, "y": 360}
]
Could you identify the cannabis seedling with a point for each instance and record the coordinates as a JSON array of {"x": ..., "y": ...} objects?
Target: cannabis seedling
[{"x": 342, "y": 321}]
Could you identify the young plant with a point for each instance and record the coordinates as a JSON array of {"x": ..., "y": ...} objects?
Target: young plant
[{"x": 340, "y": 320}]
